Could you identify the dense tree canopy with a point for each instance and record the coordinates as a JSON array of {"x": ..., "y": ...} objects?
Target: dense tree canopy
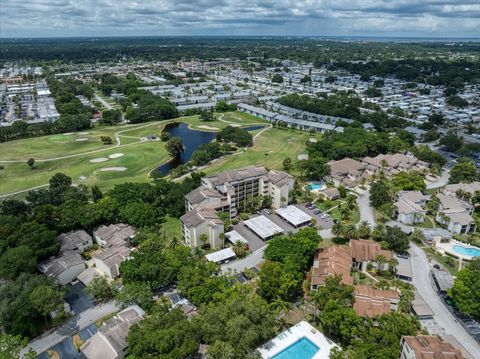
[
  {"x": 464, "y": 170},
  {"x": 466, "y": 289},
  {"x": 163, "y": 334}
]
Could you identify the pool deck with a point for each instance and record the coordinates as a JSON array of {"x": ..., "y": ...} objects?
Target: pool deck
[
  {"x": 292, "y": 335},
  {"x": 448, "y": 248}
]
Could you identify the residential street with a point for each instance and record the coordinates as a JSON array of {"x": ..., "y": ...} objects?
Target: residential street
[
  {"x": 421, "y": 280},
  {"x": 442, "y": 180},
  {"x": 366, "y": 211},
  {"x": 248, "y": 262},
  {"x": 79, "y": 322}
]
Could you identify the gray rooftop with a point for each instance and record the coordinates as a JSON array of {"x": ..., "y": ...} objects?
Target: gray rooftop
[
  {"x": 293, "y": 215},
  {"x": 263, "y": 227}
]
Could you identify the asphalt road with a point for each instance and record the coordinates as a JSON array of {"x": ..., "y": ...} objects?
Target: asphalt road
[
  {"x": 366, "y": 211},
  {"x": 442, "y": 180},
  {"x": 248, "y": 262},
  {"x": 443, "y": 317},
  {"x": 77, "y": 323}
]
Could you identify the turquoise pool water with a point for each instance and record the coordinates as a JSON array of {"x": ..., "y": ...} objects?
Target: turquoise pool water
[
  {"x": 314, "y": 186},
  {"x": 301, "y": 349},
  {"x": 473, "y": 252}
]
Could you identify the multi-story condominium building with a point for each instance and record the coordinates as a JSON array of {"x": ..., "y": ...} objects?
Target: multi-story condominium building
[{"x": 230, "y": 192}]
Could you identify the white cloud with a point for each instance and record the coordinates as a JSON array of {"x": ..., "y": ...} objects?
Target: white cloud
[{"x": 239, "y": 17}]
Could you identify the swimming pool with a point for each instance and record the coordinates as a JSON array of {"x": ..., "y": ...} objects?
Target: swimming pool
[
  {"x": 301, "y": 349},
  {"x": 466, "y": 251},
  {"x": 315, "y": 186}
]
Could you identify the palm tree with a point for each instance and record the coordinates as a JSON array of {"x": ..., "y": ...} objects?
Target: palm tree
[
  {"x": 222, "y": 239},
  {"x": 174, "y": 242},
  {"x": 345, "y": 213},
  {"x": 338, "y": 229},
  {"x": 283, "y": 200},
  {"x": 364, "y": 229},
  {"x": 381, "y": 260},
  {"x": 350, "y": 200},
  {"x": 351, "y": 231},
  {"x": 197, "y": 252},
  {"x": 240, "y": 249}
]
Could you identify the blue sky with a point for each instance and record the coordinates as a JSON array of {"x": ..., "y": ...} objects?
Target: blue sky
[{"x": 422, "y": 18}]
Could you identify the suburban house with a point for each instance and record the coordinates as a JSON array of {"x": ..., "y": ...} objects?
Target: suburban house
[
  {"x": 371, "y": 302},
  {"x": 455, "y": 214},
  {"x": 393, "y": 164},
  {"x": 346, "y": 172},
  {"x": 108, "y": 261},
  {"x": 331, "y": 261},
  {"x": 425, "y": 346},
  {"x": 365, "y": 252},
  {"x": 411, "y": 207},
  {"x": 75, "y": 241},
  {"x": 200, "y": 225},
  {"x": 330, "y": 193},
  {"x": 114, "y": 235},
  {"x": 229, "y": 192},
  {"x": 471, "y": 188},
  {"x": 110, "y": 341},
  {"x": 65, "y": 268}
]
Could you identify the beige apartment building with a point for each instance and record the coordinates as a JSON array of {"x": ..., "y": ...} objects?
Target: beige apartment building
[{"x": 230, "y": 192}]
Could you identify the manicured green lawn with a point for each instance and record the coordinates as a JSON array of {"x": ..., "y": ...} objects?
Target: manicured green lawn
[
  {"x": 139, "y": 159},
  {"x": 56, "y": 145},
  {"x": 172, "y": 228},
  {"x": 269, "y": 150},
  {"x": 428, "y": 223}
]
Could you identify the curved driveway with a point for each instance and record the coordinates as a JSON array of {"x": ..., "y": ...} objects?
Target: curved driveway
[{"x": 443, "y": 317}]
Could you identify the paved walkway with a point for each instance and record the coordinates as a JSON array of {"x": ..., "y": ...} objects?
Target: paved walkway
[
  {"x": 77, "y": 323},
  {"x": 366, "y": 211},
  {"x": 103, "y": 102},
  {"x": 422, "y": 281}
]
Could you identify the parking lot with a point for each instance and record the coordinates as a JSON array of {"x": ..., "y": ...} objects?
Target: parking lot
[{"x": 255, "y": 242}]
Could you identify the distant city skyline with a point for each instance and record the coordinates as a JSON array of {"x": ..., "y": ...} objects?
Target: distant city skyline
[{"x": 391, "y": 18}]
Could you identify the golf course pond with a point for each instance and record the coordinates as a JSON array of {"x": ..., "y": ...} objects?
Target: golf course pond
[{"x": 192, "y": 140}]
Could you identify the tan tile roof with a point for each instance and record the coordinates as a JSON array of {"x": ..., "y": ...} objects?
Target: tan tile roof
[
  {"x": 368, "y": 250},
  {"x": 345, "y": 166},
  {"x": 236, "y": 175},
  {"x": 199, "y": 194},
  {"x": 432, "y": 347},
  {"x": 370, "y": 302},
  {"x": 196, "y": 216},
  {"x": 330, "y": 261}
]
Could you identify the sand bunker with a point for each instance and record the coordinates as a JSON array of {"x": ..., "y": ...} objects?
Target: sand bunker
[
  {"x": 67, "y": 133},
  {"x": 234, "y": 124},
  {"x": 82, "y": 178},
  {"x": 208, "y": 128},
  {"x": 83, "y": 133},
  {"x": 81, "y": 139},
  {"x": 116, "y": 169},
  {"x": 312, "y": 140},
  {"x": 116, "y": 155},
  {"x": 99, "y": 159}
]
